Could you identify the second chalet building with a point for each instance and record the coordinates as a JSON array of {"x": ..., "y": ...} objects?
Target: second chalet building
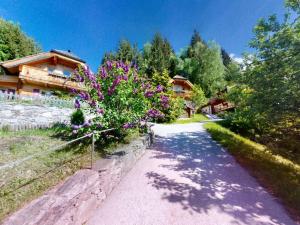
[
  {"x": 182, "y": 87},
  {"x": 40, "y": 73}
]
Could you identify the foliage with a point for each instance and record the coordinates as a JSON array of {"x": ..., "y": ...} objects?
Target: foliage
[
  {"x": 118, "y": 97},
  {"x": 205, "y": 67},
  {"x": 198, "y": 96},
  {"x": 125, "y": 53},
  {"x": 268, "y": 92},
  {"x": 225, "y": 57},
  {"x": 77, "y": 117},
  {"x": 158, "y": 56},
  {"x": 232, "y": 72},
  {"x": 278, "y": 174},
  {"x": 14, "y": 43}
]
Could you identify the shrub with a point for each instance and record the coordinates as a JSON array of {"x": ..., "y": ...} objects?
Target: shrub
[
  {"x": 117, "y": 97},
  {"x": 77, "y": 117}
]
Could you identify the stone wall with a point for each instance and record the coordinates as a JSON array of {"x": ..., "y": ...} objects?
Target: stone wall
[{"x": 21, "y": 116}]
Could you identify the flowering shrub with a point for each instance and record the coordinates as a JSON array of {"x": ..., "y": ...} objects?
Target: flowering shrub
[{"x": 117, "y": 97}]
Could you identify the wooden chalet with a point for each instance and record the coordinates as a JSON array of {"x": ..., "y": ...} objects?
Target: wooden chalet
[
  {"x": 40, "y": 73},
  {"x": 182, "y": 87}
]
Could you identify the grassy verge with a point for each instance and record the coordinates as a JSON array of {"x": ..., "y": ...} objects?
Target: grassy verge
[
  {"x": 31, "y": 178},
  {"x": 279, "y": 175},
  {"x": 195, "y": 118}
]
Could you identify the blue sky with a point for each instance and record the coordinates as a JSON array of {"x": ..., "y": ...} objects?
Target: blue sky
[{"x": 91, "y": 27}]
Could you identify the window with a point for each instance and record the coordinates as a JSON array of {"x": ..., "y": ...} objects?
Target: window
[
  {"x": 13, "y": 91},
  {"x": 177, "y": 88},
  {"x": 51, "y": 70},
  {"x": 67, "y": 73},
  {"x": 36, "y": 91}
]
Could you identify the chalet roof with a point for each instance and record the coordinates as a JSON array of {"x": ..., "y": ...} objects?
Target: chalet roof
[
  {"x": 38, "y": 57},
  {"x": 67, "y": 54},
  {"x": 179, "y": 77}
]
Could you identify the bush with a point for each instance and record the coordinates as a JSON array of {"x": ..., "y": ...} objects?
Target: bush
[
  {"x": 77, "y": 117},
  {"x": 117, "y": 97}
]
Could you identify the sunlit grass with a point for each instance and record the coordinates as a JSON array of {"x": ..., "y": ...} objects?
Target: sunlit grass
[
  {"x": 195, "y": 118},
  {"x": 33, "y": 177}
]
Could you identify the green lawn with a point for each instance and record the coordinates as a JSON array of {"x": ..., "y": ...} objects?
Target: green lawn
[
  {"x": 195, "y": 118},
  {"x": 19, "y": 185},
  {"x": 278, "y": 174}
]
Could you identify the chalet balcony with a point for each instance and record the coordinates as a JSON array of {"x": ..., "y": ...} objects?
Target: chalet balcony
[
  {"x": 183, "y": 93},
  {"x": 37, "y": 76}
]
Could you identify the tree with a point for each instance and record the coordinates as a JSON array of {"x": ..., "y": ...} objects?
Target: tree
[
  {"x": 125, "y": 52},
  {"x": 159, "y": 56},
  {"x": 232, "y": 72},
  {"x": 269, "y": 90},
  {"x": 225, "y": 57},
  {"x": 196, "y": 38},
  {"x": 14, "y": 43},
  {"x": 198, "y": 96},
  {"x": 205, "y": 68}
]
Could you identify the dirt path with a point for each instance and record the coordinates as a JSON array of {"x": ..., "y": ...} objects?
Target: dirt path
[{"x": 188, "y": 179}]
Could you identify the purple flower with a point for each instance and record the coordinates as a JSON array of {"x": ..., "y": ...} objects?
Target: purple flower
[
  {"x": 100, "y": 95},
  {"x": 103, "y": 72},
  {"x": 109, "y": 65},
  {"x": 75, "y": 131},
  {"x": 128, "y": 125},
  {"x": 149, "y": 94},
  {"x": 77, "y": 104},
  {"x": 86, "y": 124},
  {"x": 100, "y": 111},
  {"x": 135, "y": 91},
  {"x": 92, "y": 103},
  {"x": 125, "y": 77},
  {"x": 154, "y": 113},
  {"x": 159, "y": 88},
  {"x": 84, "y": 95},
  {"x": 75, "y": 127}
]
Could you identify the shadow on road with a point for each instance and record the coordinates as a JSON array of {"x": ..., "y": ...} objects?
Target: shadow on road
[{"x": 215, "y": 180}]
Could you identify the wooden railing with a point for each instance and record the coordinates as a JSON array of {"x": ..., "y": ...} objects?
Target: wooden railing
[{"x": 38, "y": 76}]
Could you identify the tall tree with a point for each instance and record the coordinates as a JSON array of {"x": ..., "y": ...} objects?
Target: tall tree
[
  {"x": 159, "y": 57},
  {"x": 205, "y": 67},
  {"x": 125, "y": 52},
  {"x": 196, "y": 38},
  {"x": 14, "y": 43},
  {"x": 225, "y": 57}
]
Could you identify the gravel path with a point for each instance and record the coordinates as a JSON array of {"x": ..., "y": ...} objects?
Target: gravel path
[{"x": 188, "y": 179}]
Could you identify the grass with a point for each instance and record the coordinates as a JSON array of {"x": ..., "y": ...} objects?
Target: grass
[
  {"x": 278, "y": 174},
  {"x": 195, "y": 118},
  {"x": 31, "y": 178}
]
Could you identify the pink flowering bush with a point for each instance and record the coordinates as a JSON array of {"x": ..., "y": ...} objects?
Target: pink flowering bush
[{"x": 117, "y": 97}]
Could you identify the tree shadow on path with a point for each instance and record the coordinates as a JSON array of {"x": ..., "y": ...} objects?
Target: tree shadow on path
[{"x": 211, "y": 179}]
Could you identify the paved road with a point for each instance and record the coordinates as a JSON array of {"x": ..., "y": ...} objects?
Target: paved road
[{"x": 188, "y": 179}]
